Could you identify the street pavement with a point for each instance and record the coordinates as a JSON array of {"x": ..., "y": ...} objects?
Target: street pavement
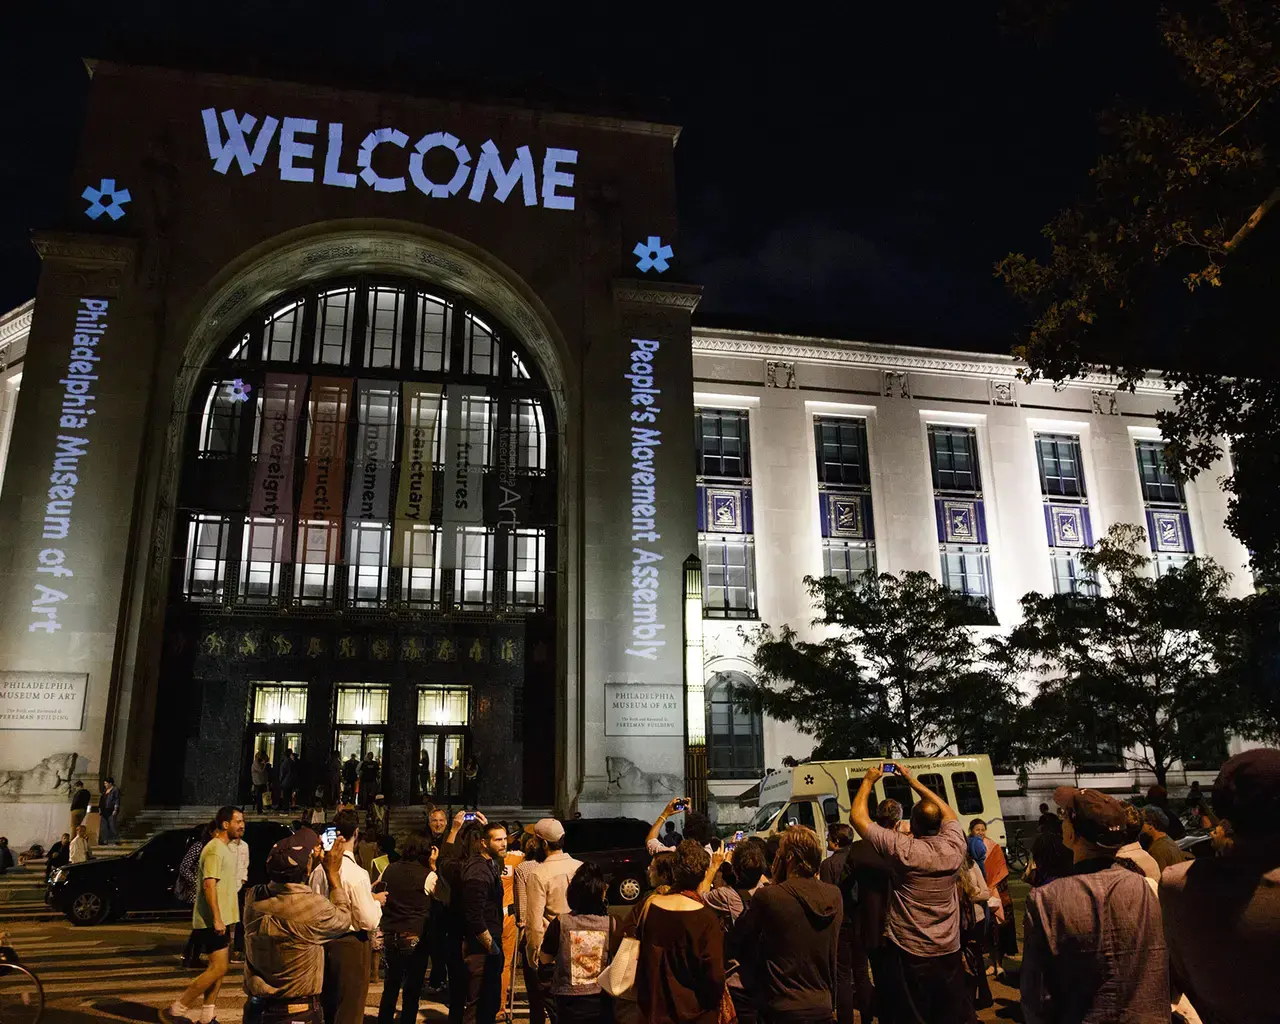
[{"x": 128, "y": 970}]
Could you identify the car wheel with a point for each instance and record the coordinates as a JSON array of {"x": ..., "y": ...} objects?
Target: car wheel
[
  {"x": 89, "y": 907},
  {"x": 629, "y": 889}
]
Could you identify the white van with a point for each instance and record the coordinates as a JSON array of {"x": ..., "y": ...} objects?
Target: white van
[{"x": 820, "y": 793}]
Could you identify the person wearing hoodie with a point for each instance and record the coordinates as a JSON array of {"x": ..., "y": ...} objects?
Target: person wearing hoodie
[
  {"x": 787, "y": 939},
  {"x": 925, "y": 973}
]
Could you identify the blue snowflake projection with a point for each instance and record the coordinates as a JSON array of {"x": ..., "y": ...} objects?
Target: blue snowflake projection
[
  {"x": 106, "y": 198},
  {"x": 240, "y": 390},
  {"x": 652, "y": 253}
]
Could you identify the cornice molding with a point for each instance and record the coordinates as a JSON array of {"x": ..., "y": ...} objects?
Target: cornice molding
[
  {"x": 81, "y": 248},
  {"x": 633, "y": 291},
  {"x": 16, "y": 323},
  {"x": 868, "y": 355}
]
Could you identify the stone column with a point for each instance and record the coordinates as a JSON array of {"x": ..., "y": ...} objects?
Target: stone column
[
  {"x": 639, "y": 526},
  {"x": 67, "y": 509}
]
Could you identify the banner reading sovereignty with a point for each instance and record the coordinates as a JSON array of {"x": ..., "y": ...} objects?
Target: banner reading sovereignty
[
  {"x": 272, "y": 496},
  {"x": 421, "y": 405}
]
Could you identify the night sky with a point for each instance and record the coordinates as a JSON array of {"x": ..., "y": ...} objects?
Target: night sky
[{"x": 852, "y": 172}]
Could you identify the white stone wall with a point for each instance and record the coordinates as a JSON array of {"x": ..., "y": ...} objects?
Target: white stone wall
[
  {"x": 15, "y": 326},
  {"x": 731, "y": 370}
]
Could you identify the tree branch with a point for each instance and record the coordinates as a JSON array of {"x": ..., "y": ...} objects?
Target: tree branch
[
  {"x": 1242, "y": 116},
  {"x": 1254, "y": 220}
]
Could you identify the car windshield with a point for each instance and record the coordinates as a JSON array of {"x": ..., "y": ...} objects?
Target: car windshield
[{"x": 764, "y": 817}]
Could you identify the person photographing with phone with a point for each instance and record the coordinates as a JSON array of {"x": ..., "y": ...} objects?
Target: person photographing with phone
[
  {"x": 346, "y": 959},
  {"x": 285, "y": 927},
  {"x": 925, "y": 983}
]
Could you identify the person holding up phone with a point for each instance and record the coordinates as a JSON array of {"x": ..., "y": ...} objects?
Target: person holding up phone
[
  {"x": 346, "y": 960},
  {"x": 926, "y": 982}
]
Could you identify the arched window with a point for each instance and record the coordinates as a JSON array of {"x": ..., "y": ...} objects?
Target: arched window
[
  {"x": 735, "y": 738},
  {"x": 367, "y": 444}
]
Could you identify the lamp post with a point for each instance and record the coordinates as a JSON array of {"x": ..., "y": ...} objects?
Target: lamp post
[{"x": 695, "y": 711}]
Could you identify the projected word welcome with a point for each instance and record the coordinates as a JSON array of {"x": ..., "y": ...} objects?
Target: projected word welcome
[
  {"x": 243, "y": 140},
  {"x": 645, "y": 439},
  {"x": 72, "y": 444}
]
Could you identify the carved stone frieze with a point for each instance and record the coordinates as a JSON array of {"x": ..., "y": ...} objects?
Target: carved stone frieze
[
  {"x": 779, "y": 374},
  {"x": 895, "y": 384}
]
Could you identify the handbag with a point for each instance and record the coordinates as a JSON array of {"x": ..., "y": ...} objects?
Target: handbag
[{"x": 618, "y": 979}]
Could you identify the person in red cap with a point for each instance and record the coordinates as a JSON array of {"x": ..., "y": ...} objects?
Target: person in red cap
[
  {"x": 1094, "y": 949},
  {"x": 1222, "y": 915}
]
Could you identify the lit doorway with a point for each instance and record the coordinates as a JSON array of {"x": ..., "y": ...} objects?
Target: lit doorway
[
  {"x": 443, "y": 714},
  {"x": 360, "y": 729},
  {"x": 279, "y": 713}
]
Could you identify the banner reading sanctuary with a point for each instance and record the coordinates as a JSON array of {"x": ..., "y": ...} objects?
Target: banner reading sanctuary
[{"x": 646, "y": 436}]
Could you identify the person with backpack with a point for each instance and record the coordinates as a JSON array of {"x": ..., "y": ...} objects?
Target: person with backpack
[
  {"x": 185, "y": 887},
  {"x": 580, "y": 944}
]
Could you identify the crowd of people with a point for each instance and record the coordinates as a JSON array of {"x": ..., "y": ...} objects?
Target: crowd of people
[{"x": 896, "y": 927}]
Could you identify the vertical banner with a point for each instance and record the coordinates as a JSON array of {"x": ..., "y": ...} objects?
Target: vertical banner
[
  {"x": 466, "y": 438},
  {"x": 272, "y": 496},
  {"x": 326, "y": 449},
  {"x": 421, "y": 404},
  {"x": 376, "y": 406}
]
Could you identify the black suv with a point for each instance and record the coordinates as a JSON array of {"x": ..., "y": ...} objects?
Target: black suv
[
  {"x": 617, "y": 847},
  {"x": 107, "y": 889}
]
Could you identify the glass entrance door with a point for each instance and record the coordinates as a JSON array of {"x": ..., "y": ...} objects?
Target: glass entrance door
[
  {"x": 275, "y": 743},
  {"x": 441, "y": 756},
  {"x": 279, "y": 709}
]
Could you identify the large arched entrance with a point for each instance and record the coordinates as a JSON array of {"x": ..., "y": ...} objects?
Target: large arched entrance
[{"x": 364, "y": 553}]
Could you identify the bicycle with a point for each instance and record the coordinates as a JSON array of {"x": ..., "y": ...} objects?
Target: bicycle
[
  {"x": 21, "y": 994},
  {"x": 1016, "y": 852}
]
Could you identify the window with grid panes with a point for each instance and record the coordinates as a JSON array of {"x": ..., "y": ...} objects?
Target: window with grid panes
[
  {"x": 847, "y": 560},
  {"x": 735, "y": 738},
  {"x": 335, "y": 312},
  {"x": 368, "y": 561},
  {"x": 279, "y": 703},
  {"x": 728, "y": 576},
  {"x": 528, "y": 430},
  {"x": 361, "y": 705},
  {"x": 282, "y": 335},
  {"x": 841, "y": 447},
  {"x": 443, "y": 705},
  {"x": 262, "y": 546},
  {"x": 966, "y": 570},
  {"x": 473, "y": 577},
  {"x": 315, "y": 566},
  {"x": 420, "y": 576},
  {"x": 1069, "y": 576},
  {"x": 527, "y": 568},
  {"x": 303, "y": 563},
  {"x": 432, "y": 334},
  {"x": 382, "y": 336},
  {"x": 1159, "y": 485},
  {"x": 206, "y": 564},
  {"x": 1061, "y": 475},
  {"x": 954, "y": 456},
  {"x": 220, "y": 432},
  {"x": 723, "y": 444}
]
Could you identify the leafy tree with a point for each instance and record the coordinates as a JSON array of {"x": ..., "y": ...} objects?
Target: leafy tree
[
  {"x": 1141, "y": 660},
  {"x": 1169, "y": 261},
  {"x": 898, "y": 673},
  {"x": 1254, "y": 659}
]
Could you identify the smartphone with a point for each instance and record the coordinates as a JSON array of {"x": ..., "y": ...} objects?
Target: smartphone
[
  {"x": 739, "y": 836},
  {"x": 328, "y": 837},
  {"x": 889, "y": 768},
  {"x": 682, "y": 805},
  {"x": 469, "y": 816}
]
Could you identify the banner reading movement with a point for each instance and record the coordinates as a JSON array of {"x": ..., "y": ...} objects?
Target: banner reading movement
[
  {"x": 376, "y": 405},
  {"x": 421, "y": 404}
]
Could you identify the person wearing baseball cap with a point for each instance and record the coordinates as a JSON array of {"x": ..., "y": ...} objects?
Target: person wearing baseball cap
[
  {"x": 547, "y": 899},
  {"x": 1222, "y": 914},
  {"x": 285, "y": 926},
  {"x": 1094, "y": 948}
]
